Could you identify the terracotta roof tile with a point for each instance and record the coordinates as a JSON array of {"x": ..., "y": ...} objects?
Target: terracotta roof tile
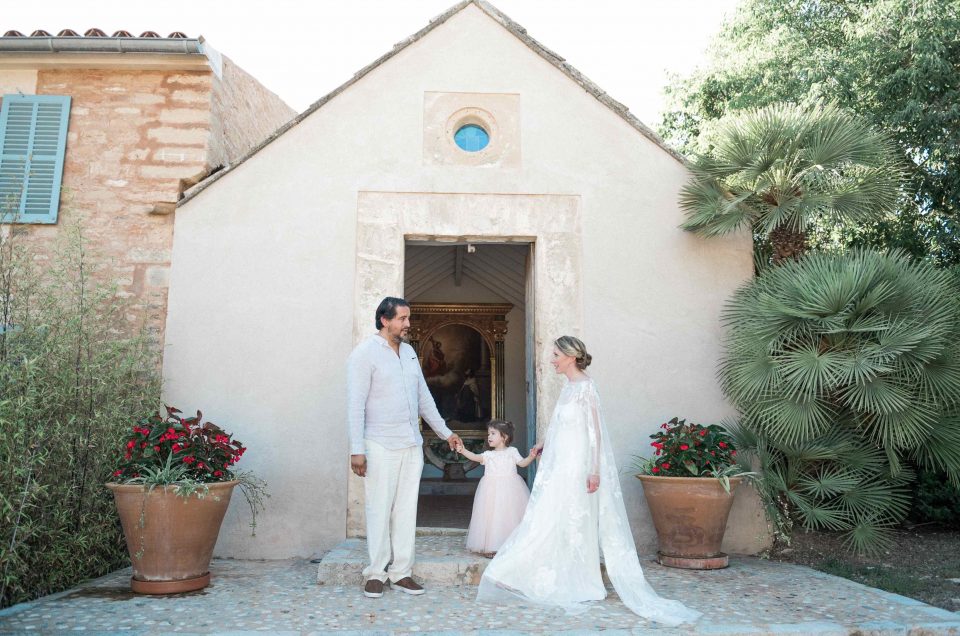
[{"x": 95, "y": 33}]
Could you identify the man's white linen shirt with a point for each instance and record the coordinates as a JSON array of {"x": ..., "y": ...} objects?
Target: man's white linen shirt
[{"x": 386, "y": 394}]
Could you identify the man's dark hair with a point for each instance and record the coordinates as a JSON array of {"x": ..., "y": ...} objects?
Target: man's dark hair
[{"x": 388, "y": 309}]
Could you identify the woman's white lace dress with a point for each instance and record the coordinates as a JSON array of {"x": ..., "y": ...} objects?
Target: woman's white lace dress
[{"x": 553, "y": 557}]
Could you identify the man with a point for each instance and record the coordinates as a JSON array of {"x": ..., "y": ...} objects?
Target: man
[{"x": 386, "y": 395}]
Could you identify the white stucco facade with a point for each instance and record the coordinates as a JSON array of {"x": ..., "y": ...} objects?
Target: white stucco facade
[{"x": 268, "y": 292}]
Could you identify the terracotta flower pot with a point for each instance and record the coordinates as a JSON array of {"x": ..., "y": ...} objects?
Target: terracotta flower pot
[
  {"x": 690, "y": 514},
  {"x": 171, "y": 550}
]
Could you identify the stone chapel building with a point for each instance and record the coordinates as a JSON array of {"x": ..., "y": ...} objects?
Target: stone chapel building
[{"x": 475, "y": 172}]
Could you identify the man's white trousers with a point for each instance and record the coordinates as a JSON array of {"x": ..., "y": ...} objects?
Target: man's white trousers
[{"x": 391, "y": 488}]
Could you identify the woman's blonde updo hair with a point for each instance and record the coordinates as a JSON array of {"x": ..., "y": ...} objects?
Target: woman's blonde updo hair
[{"x": 570, "y": 346}]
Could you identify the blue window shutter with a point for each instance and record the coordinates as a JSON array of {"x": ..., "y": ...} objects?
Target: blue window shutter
[{"x": 33, "y": 141}]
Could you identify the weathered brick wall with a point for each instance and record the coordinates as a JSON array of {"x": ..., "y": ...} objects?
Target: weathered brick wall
[
  {"x": 136, "y": 139},
  {"x": 133, "y": 135},
  {"x": 244, "y": 114}
]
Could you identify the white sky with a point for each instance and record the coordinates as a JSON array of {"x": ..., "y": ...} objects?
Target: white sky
[{"x": 304, "y": 49}]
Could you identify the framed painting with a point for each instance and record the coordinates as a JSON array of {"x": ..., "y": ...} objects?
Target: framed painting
[{"x": 460, "y": 347}]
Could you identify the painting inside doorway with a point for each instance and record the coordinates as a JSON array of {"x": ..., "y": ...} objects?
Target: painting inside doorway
[{"x": 457, "y": 366}]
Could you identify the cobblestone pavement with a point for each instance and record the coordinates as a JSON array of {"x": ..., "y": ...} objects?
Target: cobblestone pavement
[{"x": 752, "y": 597}]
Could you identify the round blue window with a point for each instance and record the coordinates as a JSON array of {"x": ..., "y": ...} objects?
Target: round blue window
[{"x": 471, "y": 138}]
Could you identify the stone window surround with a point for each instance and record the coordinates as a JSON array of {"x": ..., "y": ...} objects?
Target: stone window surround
[
  {"x": 444, "y": 113},
  {"x": 386, "y": 221}
]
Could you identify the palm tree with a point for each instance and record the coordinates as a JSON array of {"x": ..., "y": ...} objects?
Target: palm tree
[
  {"x": 846, "y": 370},
  {"x": 781, "y": 168}
]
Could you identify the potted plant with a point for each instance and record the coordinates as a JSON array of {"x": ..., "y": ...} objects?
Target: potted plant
[
  {"x": 172, "y": 486},
  {"x": 688, "y": 485}
]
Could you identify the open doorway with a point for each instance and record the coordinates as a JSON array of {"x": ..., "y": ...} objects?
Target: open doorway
[{"x": 471, "y": 323}]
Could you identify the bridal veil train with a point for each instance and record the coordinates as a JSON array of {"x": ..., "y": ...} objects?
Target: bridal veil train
[{"x": 553, "y": 556}]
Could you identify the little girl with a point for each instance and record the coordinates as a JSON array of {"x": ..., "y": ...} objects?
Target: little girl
[{"x": 502, "y": 494}]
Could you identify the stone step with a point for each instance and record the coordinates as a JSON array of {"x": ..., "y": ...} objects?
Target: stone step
[{"x": 441, "y": 559}]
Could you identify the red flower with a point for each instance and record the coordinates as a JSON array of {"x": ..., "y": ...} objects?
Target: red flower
[
  {"x": 176, "y": 448},
  {"x": 684, "y": 447},
  {"x": 658, "y": 451},
  {"x": 189, "y": 459},
  {"x": 218, "y": 473},
  {"x": 723, "y": 444},
  {"x": 656, "y": 470},
  {"x": 199, "y": 464},
  {"x": 666, "y": 466},
  {"x": 131, "y": 444},
  {"x": 143, "y": 444},
  {"x": 733, "y": 452},
  {"x": 117, "y": 472},
  {"x": 156, "y": 448},
  {"x": 703, "y": 432}
]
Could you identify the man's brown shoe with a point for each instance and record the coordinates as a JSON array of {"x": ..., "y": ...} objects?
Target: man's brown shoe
[
  {"x": 408, "y": 585},
  {"x": 373, "y": 589}
]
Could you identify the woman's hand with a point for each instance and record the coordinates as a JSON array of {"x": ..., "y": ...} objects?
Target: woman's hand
[{"x": 593, "y": 482}]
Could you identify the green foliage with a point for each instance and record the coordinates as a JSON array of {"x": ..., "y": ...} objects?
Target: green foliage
[
  {"x": 893, "y": 62},
  {"x": 188, "y": 454},
  {"x": 71, "y": 375},
  {"x": 204, "y": 451},
  {"x": 690, "y": 450},
  {"x": 935, "y": 498},
  {"x": 845, "y": 368},
  {"x": 783, "y": 167}
]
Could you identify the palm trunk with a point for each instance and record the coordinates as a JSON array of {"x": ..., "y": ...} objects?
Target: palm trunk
[{"x": 788, "y": 244}]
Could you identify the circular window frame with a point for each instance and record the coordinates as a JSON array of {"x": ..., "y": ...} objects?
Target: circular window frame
[{"x": 476, "y": 117}]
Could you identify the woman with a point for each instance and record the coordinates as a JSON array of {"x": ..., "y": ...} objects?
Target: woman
[{"x": 575, "y": 510}]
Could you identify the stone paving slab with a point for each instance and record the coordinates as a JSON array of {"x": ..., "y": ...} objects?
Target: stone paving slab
[
  {"x": 753, "y": 597},
  {"x": 441, "y": 560}
]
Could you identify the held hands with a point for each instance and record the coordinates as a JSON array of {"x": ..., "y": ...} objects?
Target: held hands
[
  {"x": 456, "y": 444},
  {"x": 536, "y": 451},
  {"x": 593, "y": 482}
]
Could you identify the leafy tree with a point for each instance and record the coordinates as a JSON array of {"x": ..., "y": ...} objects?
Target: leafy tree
[
  {"x": 894, "y": 62},
  {"x": 783, "y": 168},
  {"x": 846, "y": 370}
]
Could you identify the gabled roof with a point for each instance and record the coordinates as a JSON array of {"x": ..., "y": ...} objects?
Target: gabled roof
[{"x": 517, "y": 30}]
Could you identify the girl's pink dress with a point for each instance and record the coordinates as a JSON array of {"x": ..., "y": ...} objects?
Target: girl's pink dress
[{"x": 499, "y": 503}]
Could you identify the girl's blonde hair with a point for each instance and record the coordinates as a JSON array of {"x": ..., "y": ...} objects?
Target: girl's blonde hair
[
  {"x": 504, "y": 427},
  {"x": 570, "y": 346}
]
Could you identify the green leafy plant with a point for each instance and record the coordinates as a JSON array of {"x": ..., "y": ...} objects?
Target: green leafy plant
[
  {"x": 201, "y": 452},
  {"x": 781, "y": 169},
  {"x": 935, "y": 499},
  {"x": 846, "y": 370},
  {"x": 72, "y": 368},
  {"x": 186, "y": 453},
  {"x": 691, "y": 450}
]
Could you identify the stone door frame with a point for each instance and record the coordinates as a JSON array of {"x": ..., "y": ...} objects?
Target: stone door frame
[{"x": 386, "y": 221}]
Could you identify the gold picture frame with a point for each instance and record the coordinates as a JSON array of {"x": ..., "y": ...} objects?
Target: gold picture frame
[{"x": 461, "y": 351}]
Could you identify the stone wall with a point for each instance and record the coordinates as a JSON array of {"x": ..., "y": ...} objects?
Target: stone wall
[
  {"x": 243, "y": 113},
  {"x": 136, "y": 140}
]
